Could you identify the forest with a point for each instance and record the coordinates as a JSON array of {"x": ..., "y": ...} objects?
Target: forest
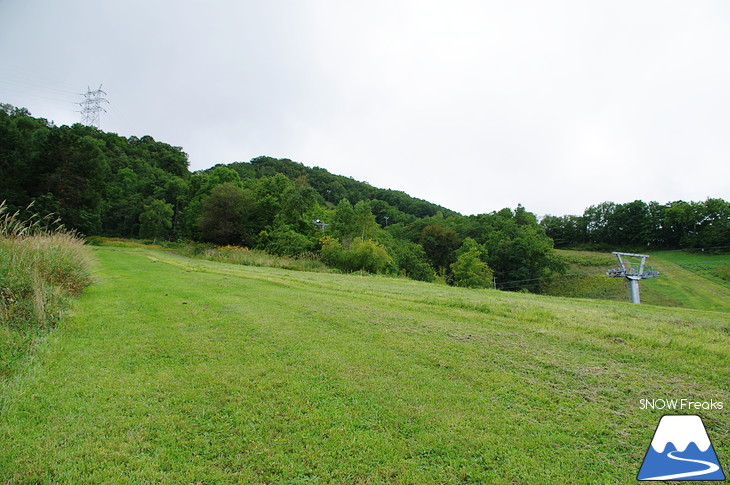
[{"x": 103, "y": 184}]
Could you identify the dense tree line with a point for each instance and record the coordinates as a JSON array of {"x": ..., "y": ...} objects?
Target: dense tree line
[
  {"x": 675, "y": 225},
  {"x": 104, "y": 184},
  {"x": 98, "y": 183}
]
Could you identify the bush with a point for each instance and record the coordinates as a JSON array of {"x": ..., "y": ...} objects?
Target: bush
[
  {"x": 286, "y": 242},
  {"x": 333, "y": 253},
  {"x": 412, "y": 261},
  {"x": 368, "y": 255}
]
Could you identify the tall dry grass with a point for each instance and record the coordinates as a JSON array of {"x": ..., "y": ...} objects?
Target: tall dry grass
[
  {"x": 255, "y": 257},
  {"x": 42, "y": 266}
]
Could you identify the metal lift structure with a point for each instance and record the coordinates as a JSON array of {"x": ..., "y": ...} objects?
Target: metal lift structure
[{"x": 633, "y": 272}]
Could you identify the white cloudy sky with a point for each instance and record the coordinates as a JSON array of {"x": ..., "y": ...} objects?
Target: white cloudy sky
[{"x": 474, "y": 105}]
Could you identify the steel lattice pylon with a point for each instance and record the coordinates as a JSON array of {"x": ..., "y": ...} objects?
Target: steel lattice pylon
[{"x": 91, "y": 106}]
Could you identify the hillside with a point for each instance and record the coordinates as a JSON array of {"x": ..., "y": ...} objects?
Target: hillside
[
  {"x": 103, "y": 184},
  {"x": 333, "y": 188},
  {"x": 687, "y": 279},
  {"x": 174, "y": 370}
]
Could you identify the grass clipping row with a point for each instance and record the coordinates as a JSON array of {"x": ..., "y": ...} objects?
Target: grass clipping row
[{"x": 42, "y": 266}]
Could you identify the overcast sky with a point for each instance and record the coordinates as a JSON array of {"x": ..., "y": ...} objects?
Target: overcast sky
[{"x": 474, "y": 105}]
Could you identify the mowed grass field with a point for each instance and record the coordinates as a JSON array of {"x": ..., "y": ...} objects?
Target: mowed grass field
[{"x": 171, "y": 370}]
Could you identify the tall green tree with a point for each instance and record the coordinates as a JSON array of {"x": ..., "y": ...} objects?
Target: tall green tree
[
  {"x": 518, "y": 250},
  {"x": 714, "y": 226},
  {"x": 440, "y": 245},
  {"x": 226, "y": 215},
  {"x": 363, "y": 221},
  {"x": 156, "y": 220},
  {"x": 630, "y": 225},
  {"x": 411, "y": 259},
  {"x": 470, "y": 269},
  {"x": 77, "y": 182},
  {"x": 343, "y": 220},
  {"x": 297, "y": 200}
]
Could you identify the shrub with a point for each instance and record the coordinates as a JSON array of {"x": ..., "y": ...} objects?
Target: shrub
[
  {"x": 286, "y": 242},
  {"x": 333, "y": 253},
  {"x": 412, "y": 261},
  {"x": 367, "y": 255}
]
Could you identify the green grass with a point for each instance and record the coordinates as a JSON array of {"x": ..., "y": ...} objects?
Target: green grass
[
  {"x": 711, "y": 265},
  {"x": 687, "y": 280},
  {"x": 586, "y": 277},
  {"x": 173, "y": 370}
]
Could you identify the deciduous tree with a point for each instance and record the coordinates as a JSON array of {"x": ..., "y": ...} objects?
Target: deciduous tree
[
  {"x": 225, "y": 215},
  {"x": 155, "y": 220}
]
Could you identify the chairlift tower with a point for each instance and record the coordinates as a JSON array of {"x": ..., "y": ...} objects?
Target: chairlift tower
[
  {"x": 633, "y": 272},
  {"x": 319, "y": 224}
]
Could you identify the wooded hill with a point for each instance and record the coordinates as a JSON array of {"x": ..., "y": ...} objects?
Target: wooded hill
[{"x": 104, "y": 184}]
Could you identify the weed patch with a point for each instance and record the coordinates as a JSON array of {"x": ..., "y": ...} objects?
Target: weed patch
[
  {"x": 41, "y": 269},
  {"x": 256, "y": 257}
]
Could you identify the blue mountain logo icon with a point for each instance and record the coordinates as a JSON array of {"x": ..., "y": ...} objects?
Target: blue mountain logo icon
[{"x": 680, "y": 450}]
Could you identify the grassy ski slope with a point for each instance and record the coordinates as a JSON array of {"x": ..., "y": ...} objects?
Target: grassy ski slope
[{"x": 173, "y": 370}]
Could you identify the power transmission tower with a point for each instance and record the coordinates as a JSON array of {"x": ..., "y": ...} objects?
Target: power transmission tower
[
  {"x": 91, "y": 106},
  {"x": 633, "y": 272}
]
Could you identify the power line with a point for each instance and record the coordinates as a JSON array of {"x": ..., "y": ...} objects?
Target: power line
[
  {"x": 547, "y": 279},
  {"x": 23, "y": 88},
  {"x": 22, "y": 91},
  {"x": 32, "y": 76},
  {"x": 692, "y": 249},
  {"x": 694, "y": 263},
  {"x": 22, "y": 84},
  {"x": 554, "y": 276},
  {"x": 56, "y": 99},
  {"x": 564, "y": 278}
]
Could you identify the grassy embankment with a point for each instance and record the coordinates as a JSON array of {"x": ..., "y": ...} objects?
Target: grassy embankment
[
  {"x": 689, "y": 280},
  {"x": 174, "y": 370}
]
